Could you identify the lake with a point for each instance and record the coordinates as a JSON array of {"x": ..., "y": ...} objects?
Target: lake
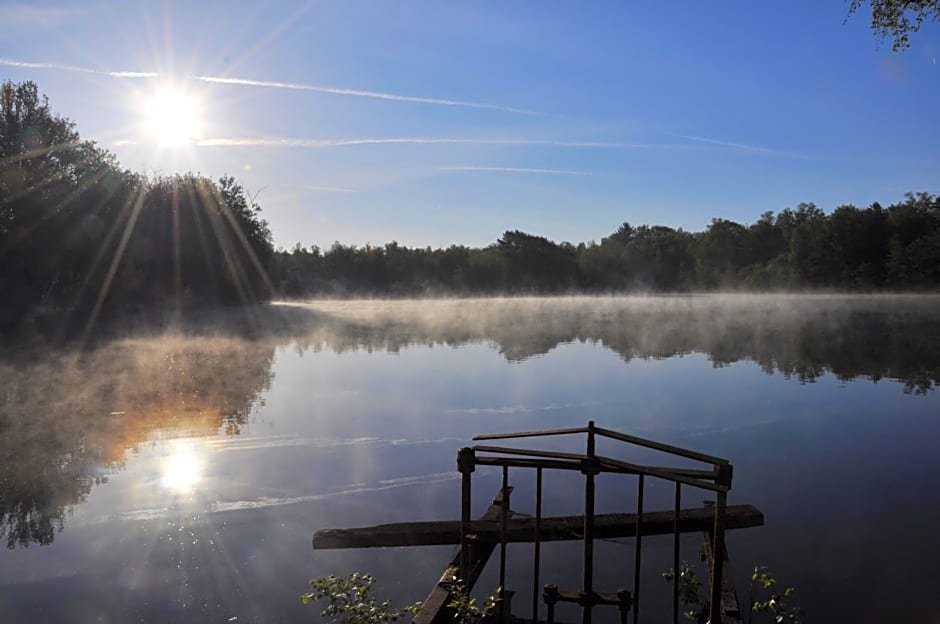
[{"x": 178, "y": 475}]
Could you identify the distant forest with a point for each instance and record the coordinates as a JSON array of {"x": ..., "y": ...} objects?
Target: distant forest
[
  {"x": 851, "y": 249},
  {"x": 82, "y": 237}
]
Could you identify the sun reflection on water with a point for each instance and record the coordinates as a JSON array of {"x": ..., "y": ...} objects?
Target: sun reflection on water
[{"x": 182, "y": 469}]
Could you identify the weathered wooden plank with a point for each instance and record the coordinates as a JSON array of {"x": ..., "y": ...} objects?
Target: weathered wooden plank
[
  {"x": 730, "y": 610},
  {"x": 556, "y": 528},
  {"x": 434, "y": 610}
]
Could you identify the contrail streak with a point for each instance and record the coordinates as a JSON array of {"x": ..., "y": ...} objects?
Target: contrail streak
[
  {"x": 327, "y": 189},
  {"x": 318, "y": 143},
  {"x": 379, "y": 95},
  {"x": 270, "y": 84},
  {"x": 75, "y": 68},
  {"x": 521, "y": 170},
  {"x": 740, "y": 146}
]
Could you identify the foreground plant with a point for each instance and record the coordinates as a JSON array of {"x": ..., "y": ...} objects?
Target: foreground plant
[
  {"x": 776, "y": 605},
  {"x": 466, "y": 610},
  {"x": 695, "y": 606},
  {"x": 350, "y": 600}
]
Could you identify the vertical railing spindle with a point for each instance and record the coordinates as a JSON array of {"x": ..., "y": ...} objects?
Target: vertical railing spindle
[
  {"x": 504, "y": 517},
  {"x": 589, "y": 470},
  {"x": 675, "y": 556},
  {"x": 465, "y": 462},
  {"x": 639, "y": 550},
  {"x": 538, "y": 545}
]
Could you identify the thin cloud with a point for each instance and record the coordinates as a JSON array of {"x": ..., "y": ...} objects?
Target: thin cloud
[
  {"x": 568, "y": 172},
  {"x": 28, "y": 15},
  {"x": 379, "y": 95},
  {"x": 327, "y": 189},
  {"x": 757, "y": 150},
  {"x": 321, "y": 143},
  {"x": 246, "y": 82},
  {"x": 740, "y": 146},
  {"x": 75, "y": 68}
]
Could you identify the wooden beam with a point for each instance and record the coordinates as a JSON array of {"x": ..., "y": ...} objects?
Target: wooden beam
[
  {"x": 556, "y": 528},
  {"x": 434, "y": 609},
  {"x": 730, "y": 610}
]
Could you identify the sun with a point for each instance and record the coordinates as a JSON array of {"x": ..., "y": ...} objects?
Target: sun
[{"x": 171, "y": 117}]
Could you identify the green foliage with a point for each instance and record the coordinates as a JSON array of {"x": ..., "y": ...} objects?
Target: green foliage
[
  {"x": 893, "y": 18},
  {"x": 466, "y": 610},
  {"x": 350, "y": 600},
  {"x": 776, "y": 605},
  {"x": 854, "y": 249},
  {"x": 690, "y": 587}
]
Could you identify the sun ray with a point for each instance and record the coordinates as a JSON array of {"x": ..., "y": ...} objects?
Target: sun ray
[
  {"x": 138, "y": 202},
  {"x": 244, "y": 242}
]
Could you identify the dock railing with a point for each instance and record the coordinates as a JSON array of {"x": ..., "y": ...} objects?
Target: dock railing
[{"x": 716, "y": 479}]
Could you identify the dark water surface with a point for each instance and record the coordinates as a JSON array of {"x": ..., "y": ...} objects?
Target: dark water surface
[{"x": 179, "y": 476}]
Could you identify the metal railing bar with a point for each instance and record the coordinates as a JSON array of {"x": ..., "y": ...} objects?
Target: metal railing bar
[
  {"x": 530, "y": 434},
  {"x": 662, "y": 474},
  {"x": 576, "y": 465},
  {"x": 659, "y": 446},
  {"x": 605, "y": 463}
]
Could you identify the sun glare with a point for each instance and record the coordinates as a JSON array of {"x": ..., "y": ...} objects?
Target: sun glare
[
  {"x": 181, "y": 470},
  {"x": 171, "y": 117}
]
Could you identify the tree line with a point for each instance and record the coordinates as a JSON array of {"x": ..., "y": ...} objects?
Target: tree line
[
  {"x": 81, "y": 235},
  {"x": 855, "y": 249}
]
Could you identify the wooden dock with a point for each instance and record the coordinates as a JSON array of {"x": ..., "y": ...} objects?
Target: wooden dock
[{"x": 498, "y": 527}]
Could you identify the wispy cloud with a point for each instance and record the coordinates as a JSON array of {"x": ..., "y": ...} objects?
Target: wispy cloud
[
  {"x": 758, "y": 150},
  {"x": 29, "y": 15},
  {"x": 319, "y": 143},
  {"x": 379, "y": 95},
  {"x": 327, "y": 189},
  {"x": 271, "y": 84},
  {"x": 75, "y": 68},
  {"x": 567, "y": 172},
  {"x": 739, "y": 146}
]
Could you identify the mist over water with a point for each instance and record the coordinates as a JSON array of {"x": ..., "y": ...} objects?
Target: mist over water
[{"x": 179, "y": 474}]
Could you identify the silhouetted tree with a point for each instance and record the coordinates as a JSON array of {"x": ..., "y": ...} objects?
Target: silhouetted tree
[
  {"x": 892, "y": 18},
  {"x": 80, "y": 235}
]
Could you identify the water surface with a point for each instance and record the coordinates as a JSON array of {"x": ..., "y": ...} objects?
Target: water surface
[{"x": 178, "y": 475}]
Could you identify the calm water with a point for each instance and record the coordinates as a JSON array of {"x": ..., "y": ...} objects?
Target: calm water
[{"x": 179, "y": 476}]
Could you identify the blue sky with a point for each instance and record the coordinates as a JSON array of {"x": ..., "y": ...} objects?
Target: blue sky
[{"x": 435, "y": 122}]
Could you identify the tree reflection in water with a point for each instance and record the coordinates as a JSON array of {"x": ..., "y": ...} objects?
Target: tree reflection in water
[{"x": 68, "y": 418}]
